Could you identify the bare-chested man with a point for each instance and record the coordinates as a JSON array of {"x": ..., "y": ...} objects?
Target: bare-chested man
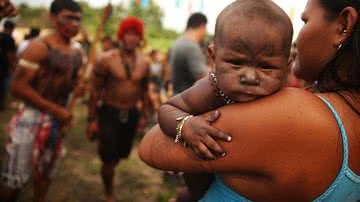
[
  {"x": 120, "y": 83},
  {"x": 45, "y": 76}
]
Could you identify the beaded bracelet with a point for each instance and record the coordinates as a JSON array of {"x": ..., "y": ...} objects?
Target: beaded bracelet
[{"x": 216, "y": 89}]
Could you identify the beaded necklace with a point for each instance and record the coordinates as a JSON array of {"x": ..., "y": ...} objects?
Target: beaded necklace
[{"x": 217, "y": 91}]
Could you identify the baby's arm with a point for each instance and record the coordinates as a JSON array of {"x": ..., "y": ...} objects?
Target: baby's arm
[{"x": 197, "y": 131}]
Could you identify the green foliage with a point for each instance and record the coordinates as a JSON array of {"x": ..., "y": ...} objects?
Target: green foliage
[
  {"x": 151, "y": 15},
  {"x": 157, "y": 36},
  {"x": 32, "y": 16}
]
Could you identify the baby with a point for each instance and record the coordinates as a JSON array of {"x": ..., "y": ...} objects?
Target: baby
[{"x": 250, "y": 52}]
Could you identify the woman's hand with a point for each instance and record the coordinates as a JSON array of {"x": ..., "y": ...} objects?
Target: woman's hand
[{"x": 198, "y": 133}]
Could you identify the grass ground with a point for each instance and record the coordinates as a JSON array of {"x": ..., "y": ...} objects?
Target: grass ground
[{"x": 77, "y": 178}]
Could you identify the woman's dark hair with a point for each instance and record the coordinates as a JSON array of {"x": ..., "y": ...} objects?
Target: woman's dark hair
[
  {"x": 347, "y": 88},
  {"x": 58, "y": 5}
]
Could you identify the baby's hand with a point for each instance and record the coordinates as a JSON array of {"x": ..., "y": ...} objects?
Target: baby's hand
[{"x": 199, "y": 134}]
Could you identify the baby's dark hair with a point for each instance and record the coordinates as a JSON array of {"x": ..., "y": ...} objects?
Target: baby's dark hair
[
  {"x": 264, "y": 11},
  {"x": 58, "y": 5},
  {"x": 347, "y": 56}
]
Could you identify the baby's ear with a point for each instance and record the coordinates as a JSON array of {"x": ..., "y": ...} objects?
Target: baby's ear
[{"x": 211, "y": 52}]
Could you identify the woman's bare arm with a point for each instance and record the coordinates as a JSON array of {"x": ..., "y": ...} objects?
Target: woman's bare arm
[{"x": 265, "y": 134}]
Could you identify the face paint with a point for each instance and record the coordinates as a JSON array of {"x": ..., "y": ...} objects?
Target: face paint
[
  {"x": 131, "y": 40},
  {"x": 250, "y": 63},
  {"x": 69, "y": 19},
  {"x": 68, "y": 23}
]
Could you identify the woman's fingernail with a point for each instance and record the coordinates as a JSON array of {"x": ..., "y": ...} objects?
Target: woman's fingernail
[
  {"x": 223, "y": 154},
  {"x": 228, "y": 138}
]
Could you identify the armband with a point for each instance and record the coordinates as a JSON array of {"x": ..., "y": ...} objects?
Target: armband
[{"x": 28, "y": 64}]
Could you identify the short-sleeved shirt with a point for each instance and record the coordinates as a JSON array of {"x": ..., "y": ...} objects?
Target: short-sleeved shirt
[
  {"x": 7, "y": 45},
  {"x": 187, "y": 64},
  {"x": 21, "y": 48}
]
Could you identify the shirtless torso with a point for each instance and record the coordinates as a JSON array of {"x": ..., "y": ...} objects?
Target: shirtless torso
[
  {"x": 47, "y": 87},
  {"x": 58, "y": 72},
  {"x": 124, "y": 79},
  {"x": 120, "y": 83}
]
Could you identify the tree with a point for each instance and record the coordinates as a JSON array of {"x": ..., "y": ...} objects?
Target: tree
[
  {"x": 151, "y": 15},
  {"x": 156, "y": 35},
  {"x": 32, "y": 16}
]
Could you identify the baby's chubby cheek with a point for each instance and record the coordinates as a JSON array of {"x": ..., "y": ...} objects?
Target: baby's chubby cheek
[{"x": 271, "y": 85}]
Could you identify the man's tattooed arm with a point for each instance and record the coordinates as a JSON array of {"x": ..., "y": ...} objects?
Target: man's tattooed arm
[{"x": 23, "y": 76}]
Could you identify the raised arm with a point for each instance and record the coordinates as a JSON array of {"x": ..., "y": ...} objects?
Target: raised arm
[
  {"x": 25, "y": 72},
  {"x": 196, "y": 100},
  {"x": 196, "y": 131}
]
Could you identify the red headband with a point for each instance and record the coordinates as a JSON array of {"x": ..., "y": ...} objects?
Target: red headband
[{"x": 130, "y": 23}]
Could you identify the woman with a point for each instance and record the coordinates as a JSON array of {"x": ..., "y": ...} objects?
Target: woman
[{"x": 295, "y": 145}]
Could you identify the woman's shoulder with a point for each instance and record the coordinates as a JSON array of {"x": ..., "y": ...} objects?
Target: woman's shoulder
[
  {"x": 280, "y": 125},
  {"x": 283, "y": 129},
  {"x": 287, "y": 105},
  {"x": 291, "y": 97}
]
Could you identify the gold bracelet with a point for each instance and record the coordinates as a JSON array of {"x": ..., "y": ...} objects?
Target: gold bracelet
[{"x": 179, "y": 127}]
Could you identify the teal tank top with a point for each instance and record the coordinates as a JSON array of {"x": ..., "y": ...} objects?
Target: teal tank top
[{"x": 345, "y": 188}]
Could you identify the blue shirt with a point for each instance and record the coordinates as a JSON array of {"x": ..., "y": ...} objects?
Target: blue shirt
[{"x": 345, "y": 188}]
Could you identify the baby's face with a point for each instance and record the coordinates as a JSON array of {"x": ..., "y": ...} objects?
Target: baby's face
[{"x": 250, "y": 63}]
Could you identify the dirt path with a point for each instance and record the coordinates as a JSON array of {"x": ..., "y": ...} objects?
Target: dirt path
[{"x": 77, "y": 178}]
